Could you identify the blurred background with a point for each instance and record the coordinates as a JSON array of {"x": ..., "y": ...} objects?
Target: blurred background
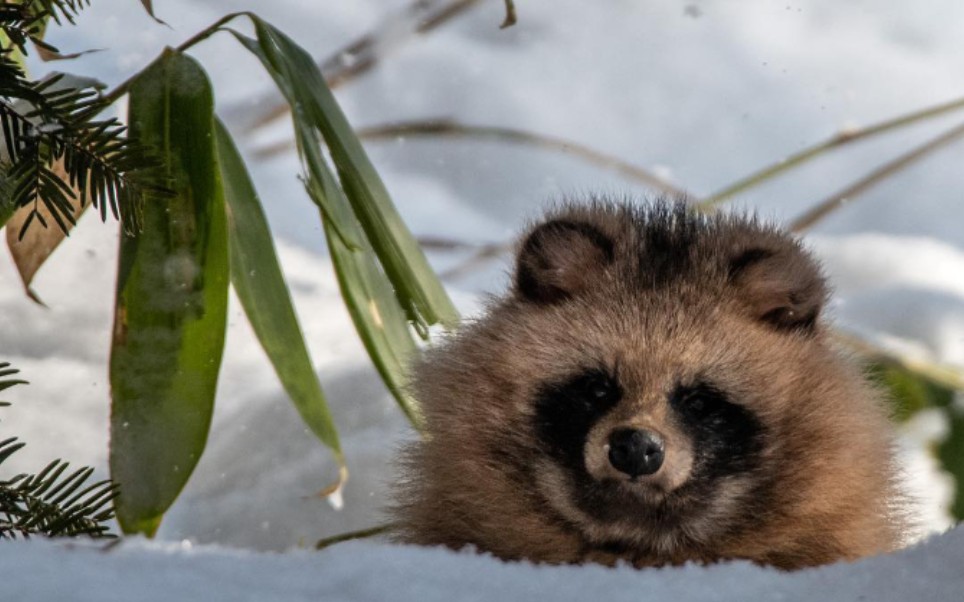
[{"x": 698, "y": 93}]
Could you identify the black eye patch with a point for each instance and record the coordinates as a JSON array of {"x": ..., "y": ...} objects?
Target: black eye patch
[
  {"x": 566, "y": 410},
  {"x": 727, "y": 438}
]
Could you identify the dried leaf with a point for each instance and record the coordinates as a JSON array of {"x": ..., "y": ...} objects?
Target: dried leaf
[
  {"x": 149, "y": 7},
  {"x": 38, "y": 242},
  {"x": 46, "y": 53}
]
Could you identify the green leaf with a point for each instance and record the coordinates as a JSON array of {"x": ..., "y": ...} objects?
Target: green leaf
[
  {"x": 378, "y": 309},
  {"x": 415, "y": 284},
  {"x": 951, "y": 454},
  {"x": 911, "y": 392},
  {"x": 378, "y": 319},
  {"x": 260, "y": 285},
  {"x": 908, "y": 392},
  {"x": 171, "y": 306}
]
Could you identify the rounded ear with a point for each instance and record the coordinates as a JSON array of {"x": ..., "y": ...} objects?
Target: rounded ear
[
  {"x": 560, "y": 258},
  {"x": 781, "y": 286}
]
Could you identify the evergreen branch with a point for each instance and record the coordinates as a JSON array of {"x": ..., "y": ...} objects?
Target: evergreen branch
[
  {"x": 46, "y": 123},
  {"x": 40, "y": 504},
  {"x": 103, "y": 166},
  {"x": 21, "y": 23},
  {"x": 60, "y": 9},
  {"x": 6, "y": 383},
  {"x": 53, "y": 502},
  {"x": 26, "y": 21}
]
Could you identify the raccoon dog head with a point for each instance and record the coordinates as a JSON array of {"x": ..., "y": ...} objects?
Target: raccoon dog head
[{"x": 656, "y": 387}]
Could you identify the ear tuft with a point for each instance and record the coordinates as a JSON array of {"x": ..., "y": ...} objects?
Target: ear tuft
[
  {"x": 559, "y": 259},
  {"x": 781, "y": 286}
]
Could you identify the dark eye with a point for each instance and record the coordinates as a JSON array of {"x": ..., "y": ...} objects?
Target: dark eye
[
  {"x": 592, "y": 391},
  {"x": 697, "y": 403},
  {"x": 596, "y": 388},
  {"x": 726, "y": 436},
  {"x": 566, "y": 410},
  {"x": 600, "y": 389},
  {"x": 701, "y": 403}
]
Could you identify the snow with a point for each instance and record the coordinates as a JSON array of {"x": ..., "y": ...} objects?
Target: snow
[
  {"x": 703, "y": 92},
  {"x": 139, "y": 570}
]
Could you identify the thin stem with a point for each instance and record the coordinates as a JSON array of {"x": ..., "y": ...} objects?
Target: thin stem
[
  {"x": 452, "y": 129},
  {"x": 441, "y": 127},
  {"x": 358, "y": 57},
  {"x": 835, "y": 141},
  {"x": 202, "y": 35},
  {"x": 841, "y": 198},
  {"x": 351, "y": 535},
  {"x": 482, "y": 255}
]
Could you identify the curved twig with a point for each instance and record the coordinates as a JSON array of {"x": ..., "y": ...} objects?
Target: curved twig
[
  {"x": 350, "y": 61},
  {"x": 452, "y": 129},
  {"x": 352, "y": 535},
  {"x": 840, "y": 139},
  {"x": 839, "y": 199}
]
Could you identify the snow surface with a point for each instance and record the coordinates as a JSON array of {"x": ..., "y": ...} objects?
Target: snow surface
[
  {"x": 703, "y": 92},
  {"x": 138, "y": 570}
]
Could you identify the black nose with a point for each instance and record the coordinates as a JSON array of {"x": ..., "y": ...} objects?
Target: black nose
[{"x": 635, "y": 452}]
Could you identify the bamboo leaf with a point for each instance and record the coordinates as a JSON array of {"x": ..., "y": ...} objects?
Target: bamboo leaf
[
  {"x": 378, "y": 309},
  {"x": 415, "y": 284},
  {"x": 257, "y": 278},
  {"x": 378, "y": 319},
  {"x": 170, "y": 315}
]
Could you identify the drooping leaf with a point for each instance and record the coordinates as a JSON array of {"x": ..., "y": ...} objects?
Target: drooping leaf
[
  {"x": 49, "y": 54},
  {"x": 379, "y": 309},
  {"x": 416, "y": 286},
  {"x": 378, "y": 319},
  {"x": 170, "y": 315},
  {"x": 258, "y": 280}
]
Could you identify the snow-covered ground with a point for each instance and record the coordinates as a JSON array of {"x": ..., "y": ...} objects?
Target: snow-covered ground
[
  {"x": 375, "y": 572},
  {"x": 701, "y": 92}
]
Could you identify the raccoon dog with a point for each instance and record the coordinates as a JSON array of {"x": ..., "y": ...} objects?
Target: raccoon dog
[{"x": 656, "y": 387}]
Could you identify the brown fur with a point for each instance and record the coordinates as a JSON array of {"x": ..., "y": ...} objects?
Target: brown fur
[{"x": 661, "y": 297}]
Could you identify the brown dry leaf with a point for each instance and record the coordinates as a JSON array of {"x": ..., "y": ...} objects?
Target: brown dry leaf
[
  {"x": 149, "y": 7},
  {"x": 38, "y": 243},
  {"x": 47, "y": 55}
]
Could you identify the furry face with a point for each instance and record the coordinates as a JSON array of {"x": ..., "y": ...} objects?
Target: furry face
[{"x": 657, "y": 388}]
